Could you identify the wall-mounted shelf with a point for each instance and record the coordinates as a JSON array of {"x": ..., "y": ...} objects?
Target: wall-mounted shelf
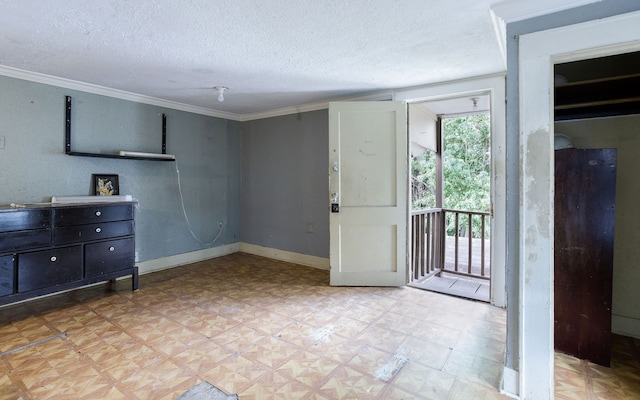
[
  {"x": 604, "y": 97},
  {"x": 68, "y": 151}
]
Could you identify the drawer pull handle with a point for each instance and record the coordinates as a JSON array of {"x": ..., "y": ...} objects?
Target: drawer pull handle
[
  {"x": 112, "y": 248},
  {"x": 98, "y": 213},
  {"x": 54, "y": 258},
  {"x": 98, "y": 230}
]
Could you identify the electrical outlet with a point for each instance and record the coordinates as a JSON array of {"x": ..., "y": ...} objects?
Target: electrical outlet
[
  {"x": 136, "y": 257},
  {"x": 309, "y": 228}
]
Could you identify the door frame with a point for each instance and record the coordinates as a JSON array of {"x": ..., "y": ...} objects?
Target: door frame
[
  {"x": 494, "y": 85},
  {"x": 538, "y": 53}
]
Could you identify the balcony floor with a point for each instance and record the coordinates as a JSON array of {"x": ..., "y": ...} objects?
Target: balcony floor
[{"x": 469, "y": 288}]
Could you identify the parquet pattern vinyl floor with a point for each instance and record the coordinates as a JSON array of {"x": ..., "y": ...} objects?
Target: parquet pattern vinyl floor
[{"x": 261, "y": 328}]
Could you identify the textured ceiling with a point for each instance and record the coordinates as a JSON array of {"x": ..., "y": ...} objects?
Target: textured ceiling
[{"x": 271, "y": 54}]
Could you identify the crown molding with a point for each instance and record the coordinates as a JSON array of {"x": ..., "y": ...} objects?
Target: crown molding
[
  {"x": 519, "y": 10},
  {"x": 124, "y": 95},
  {"x": 109, "y": 92},
  {"x": 376, "y": 96}
]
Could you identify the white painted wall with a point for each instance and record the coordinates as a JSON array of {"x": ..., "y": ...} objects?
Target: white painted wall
[{"x": 422, "y": 130}]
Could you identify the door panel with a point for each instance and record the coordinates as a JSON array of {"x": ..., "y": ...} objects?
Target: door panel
[
  {"x": 585, "y": 184},
  {"x": 370, "y": 253},
  {"x": 368, "y": 181},
  {"x": 368, "y": 159}
]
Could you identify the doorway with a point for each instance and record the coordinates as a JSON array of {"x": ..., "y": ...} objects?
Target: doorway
[
  {"x": 494, "y": 87},
  {"x": 538, "y": 52},
  {"x": 450, "y": 195},
  {"x": 596, "y": 107}
]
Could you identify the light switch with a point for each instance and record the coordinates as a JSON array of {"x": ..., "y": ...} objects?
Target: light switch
[{"x": 1, "y": 142}]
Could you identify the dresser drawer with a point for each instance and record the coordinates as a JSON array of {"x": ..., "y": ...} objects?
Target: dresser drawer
[
  {"x": 84, "y": 233},
  {"x": 21, "y": 219},
  {"x": 110, "y": 256},
  {"x": 51, "y": 267},
  {"x": 7, "y": 273},
  {"x": 92, "y": 214},
  {"x": 22, "y": 240}
]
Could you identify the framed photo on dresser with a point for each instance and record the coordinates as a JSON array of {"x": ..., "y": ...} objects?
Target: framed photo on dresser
[{"x": 105, "y": 185}]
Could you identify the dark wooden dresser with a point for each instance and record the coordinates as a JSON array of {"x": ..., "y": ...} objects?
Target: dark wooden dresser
[{"x": 48, "y": 248}]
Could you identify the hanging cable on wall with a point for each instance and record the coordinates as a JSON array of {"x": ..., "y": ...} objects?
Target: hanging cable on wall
[{"x": 186, "y": 218}]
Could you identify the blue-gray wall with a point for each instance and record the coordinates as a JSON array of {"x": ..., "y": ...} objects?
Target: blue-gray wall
[
  {"x": 208, "y": 150},
  {"x": 285, "y": 183}
]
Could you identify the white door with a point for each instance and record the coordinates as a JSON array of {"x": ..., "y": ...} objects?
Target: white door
[{"x": 368, "y": 188}]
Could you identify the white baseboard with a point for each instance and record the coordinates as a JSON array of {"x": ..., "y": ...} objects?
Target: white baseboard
[
  {"x": 159, "y": 264},
  {"x": 288, "y": 256},
  {"x": 625, "y": 326},
  {"x": 510, "y": 386}
]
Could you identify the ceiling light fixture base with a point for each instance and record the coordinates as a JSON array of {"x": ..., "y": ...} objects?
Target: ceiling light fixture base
[{"x": 220, "y": 90}]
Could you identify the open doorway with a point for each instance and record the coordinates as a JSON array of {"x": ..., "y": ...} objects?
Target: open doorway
[
  {"x": 450, "y": 195},
  {"x": 538, "y": 52},
  {"x": 597, "y": 110}
]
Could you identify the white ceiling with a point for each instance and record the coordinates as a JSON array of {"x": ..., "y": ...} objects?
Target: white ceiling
[{"x": 271, "y": 54}]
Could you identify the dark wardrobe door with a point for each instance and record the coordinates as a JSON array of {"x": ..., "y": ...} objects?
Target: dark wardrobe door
[{"x": 585, "y": 186}]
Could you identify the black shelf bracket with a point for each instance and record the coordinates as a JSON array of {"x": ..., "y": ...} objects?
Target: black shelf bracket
[
  {"x": 164, "y": 133},
  {"x": 67, "y": 141},
  {"x": 67, "y": 146}
]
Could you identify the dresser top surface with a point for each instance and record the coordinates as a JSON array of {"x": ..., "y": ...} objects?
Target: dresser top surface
[{"x": 36, "y": 206}]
